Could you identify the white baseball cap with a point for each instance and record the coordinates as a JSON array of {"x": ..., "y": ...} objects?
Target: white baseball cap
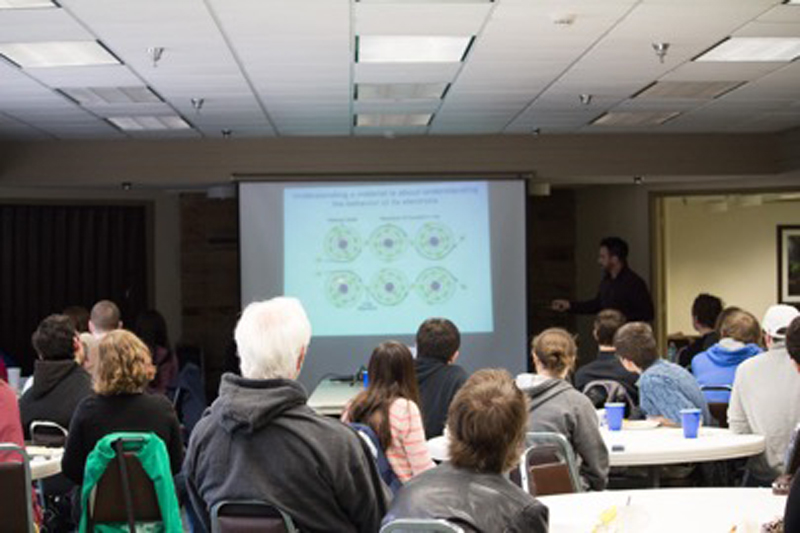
[{"x": 777, "y": 319}]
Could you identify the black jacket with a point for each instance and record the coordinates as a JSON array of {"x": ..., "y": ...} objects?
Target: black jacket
[
  {"x": 260, "y": 441},
  {"x": 58, "y": 388},
  {"x": 607, "y": 367},
  {"x": 477, "y": 502},
  {"x": 627, "y": 293},
  {"x": 438, "y": 384}
]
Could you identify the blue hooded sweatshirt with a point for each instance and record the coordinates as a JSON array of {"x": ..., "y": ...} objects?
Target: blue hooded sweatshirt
[{"x": 717, "y": 366}]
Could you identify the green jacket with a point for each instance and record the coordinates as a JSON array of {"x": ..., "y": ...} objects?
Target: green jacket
[{"x": 154, "y": 459}]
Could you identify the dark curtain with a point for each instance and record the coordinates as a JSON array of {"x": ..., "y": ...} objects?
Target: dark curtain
[{"x": 54, "y": 256}]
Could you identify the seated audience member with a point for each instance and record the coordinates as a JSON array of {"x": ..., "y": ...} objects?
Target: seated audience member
[
  {"x": 740, "y": 333},
  {"x": 260, "y": 441},
  {"x": 88, "y": 355},
  {"x": 439, "y": 377},
  {"x": 606, "y": 367},
  {"x": 555, "y": 406},
  {"x": 389, "y": 407},
  {"x": 486, "y": 428},
  {"x": 59, "y": 382},
  {"x": 705, "y": 311},
  {"x": 791, "y": 519},
  {"x": 104, "y": 317},
  {"x": 11, "y": 433},
  {"x": 664, "y": 388},
  {"x": 122, "y": 372},
  {"x": 152, "y": 329},
  {"x": 766, "y": 398},
  {"x": 79, "y": 316}
]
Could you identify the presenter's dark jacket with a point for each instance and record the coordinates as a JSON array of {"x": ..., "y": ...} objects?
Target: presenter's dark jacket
[
  {"x": 438, "y": 384},
  {"x": 627, "y": 293}
]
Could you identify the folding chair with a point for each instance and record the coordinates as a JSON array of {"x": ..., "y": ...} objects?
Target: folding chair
[
  {"x": 403, "y": 525},
  {"x": 249, "y": 517},
  {"x": 791, "y": 462},
  {"x": 49, "y": 434},
  {"x": 15, "y": 490},
  {"x": 718, "y": 410},
  {"x": 548, "y": 465},
  {"x": 124, "y": 493}
]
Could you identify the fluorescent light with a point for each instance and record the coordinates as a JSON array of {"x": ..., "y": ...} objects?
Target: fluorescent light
[
  {"x": 111, "y": 95},
  {"x": 57, "y": 54},
  {"x": 411, "y": 49},
  {"x": 688, "y": 89},
  {"x": 793, "y": 2},
  {"x": 634, "y": 118},
  {"x": 393, "y": 121},
  {"x": 400, "y": 91},
  {"x": 425, "y": 1},
  {"x": 152, "y": 123},
  {"x": 25, "y": 4},
  {"x": 754, "y": 49}
]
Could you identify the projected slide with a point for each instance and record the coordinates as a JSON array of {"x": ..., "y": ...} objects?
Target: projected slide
[{"x": 379, "y": 259}]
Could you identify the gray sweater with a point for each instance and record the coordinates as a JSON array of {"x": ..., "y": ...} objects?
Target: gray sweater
[{"x": 556, "y": 407}]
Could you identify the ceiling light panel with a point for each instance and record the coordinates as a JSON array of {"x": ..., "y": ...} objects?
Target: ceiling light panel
[
  {"x": 688, "y": 89},
  {"x": 98, "y": 96},
  {"x": 25, "y": 4},
  {"x": 411, "y": 49},
  {"x": 392, "y": 121},
  {"x": 151, "y": 123},
  {"x": 632, "y": 119},
  {"x": 400, "y": 91},
  {"x": 754, "y": 49},
  {"x": 57, "y": 54}
]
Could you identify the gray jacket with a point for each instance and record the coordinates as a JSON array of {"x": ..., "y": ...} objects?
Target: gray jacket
[{"x": 556, "y": 407}]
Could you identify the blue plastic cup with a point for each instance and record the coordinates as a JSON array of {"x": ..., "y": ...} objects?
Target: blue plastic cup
[
  {"x": 365, "y": 376},
  {"x": 690, "y": 420},
  {"x": 614, "y": 414}
]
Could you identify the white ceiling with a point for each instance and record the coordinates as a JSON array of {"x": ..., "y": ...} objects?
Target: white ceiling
[{"x": 286, "y": 67}]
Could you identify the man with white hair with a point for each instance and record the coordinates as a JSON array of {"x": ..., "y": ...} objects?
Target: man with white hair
[
  {"x": 260, "y": 441},
  {"x": 766, "y": 398}
]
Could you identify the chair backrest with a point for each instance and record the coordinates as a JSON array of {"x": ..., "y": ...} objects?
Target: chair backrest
[
  {"x": 403, "y": 525},
  {"x": 600, "y": 391},
  {"x": 47, "y": 433},
  {"x": 249, "y": 517},
  {"x": 719, "y": 412},
  {"x": 124, "y": 493},
  {"x": 548, "y": 465},
  {"x": 15, "y": 490}
]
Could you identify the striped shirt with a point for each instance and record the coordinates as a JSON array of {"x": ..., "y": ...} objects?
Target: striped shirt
[{"x": 408, "y": 453}]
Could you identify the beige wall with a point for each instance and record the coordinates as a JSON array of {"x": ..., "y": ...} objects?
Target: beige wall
[
  {"x": 166, "y": 234},
  {"x": 731, "y": 255}
]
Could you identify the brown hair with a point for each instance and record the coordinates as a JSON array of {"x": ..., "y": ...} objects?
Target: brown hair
[
  {"x": 123, "y": 364},
  {"x": 635, "y": 342},
  {"x": 486, "y": 423},
  {"x": 438, "y": 338},
  {"x": 391, "y": 376},
  {"x": 741, "y": 326},
  {"x": 556, "y": 350},
  {"x": 723, "y": 315},
  {"x": 606, "y": 324}
]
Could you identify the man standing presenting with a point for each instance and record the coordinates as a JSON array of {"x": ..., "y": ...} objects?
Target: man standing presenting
[{"x": 621, "y": 288}]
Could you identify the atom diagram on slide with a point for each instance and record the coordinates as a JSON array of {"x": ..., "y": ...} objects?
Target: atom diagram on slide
[
  {"x": 388, "y": 242},
  {"x": 342, "y": 244}
]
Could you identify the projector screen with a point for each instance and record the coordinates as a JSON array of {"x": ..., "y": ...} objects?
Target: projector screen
[{"x": 371, "y": 261}]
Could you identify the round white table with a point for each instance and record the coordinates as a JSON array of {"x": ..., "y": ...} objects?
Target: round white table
[
  {"x": 45, "y": 462},
  {"x": 664, "y": 446},
  {"x": 665, "y": 510},
  {"x": 658, "y": 446}
]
